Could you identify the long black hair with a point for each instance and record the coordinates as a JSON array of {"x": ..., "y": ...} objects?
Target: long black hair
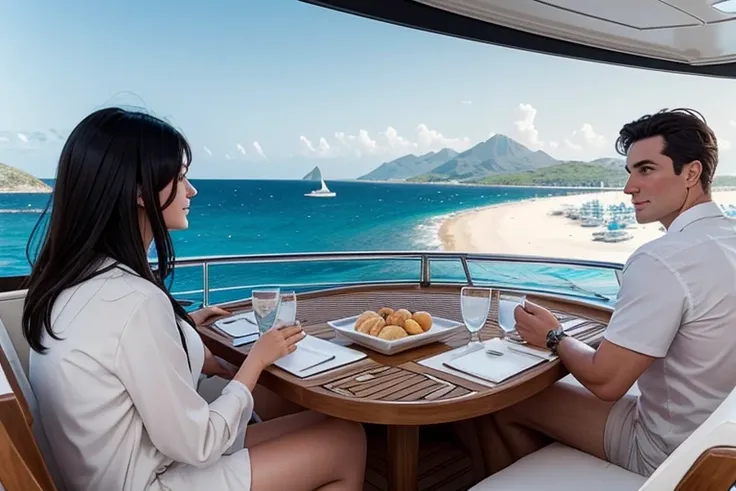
[{"x": 111, "y": 157}]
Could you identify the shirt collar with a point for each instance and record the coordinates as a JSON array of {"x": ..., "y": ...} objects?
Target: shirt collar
[{"x": 697, "y": 212}]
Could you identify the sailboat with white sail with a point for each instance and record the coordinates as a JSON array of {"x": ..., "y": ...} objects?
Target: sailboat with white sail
[{"x": 323, "y": 191}]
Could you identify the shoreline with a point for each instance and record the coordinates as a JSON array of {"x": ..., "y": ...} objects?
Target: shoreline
[{"x": 527, "y": 228}]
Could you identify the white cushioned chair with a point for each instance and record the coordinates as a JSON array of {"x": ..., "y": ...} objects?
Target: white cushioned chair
[{"x": 705, "y": 461}]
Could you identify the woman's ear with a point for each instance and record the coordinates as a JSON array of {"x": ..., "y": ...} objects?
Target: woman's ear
[{"x": 139, "y": 198}]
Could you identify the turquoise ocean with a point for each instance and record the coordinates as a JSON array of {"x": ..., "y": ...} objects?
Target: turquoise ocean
[{"x": 237, "y": 217}]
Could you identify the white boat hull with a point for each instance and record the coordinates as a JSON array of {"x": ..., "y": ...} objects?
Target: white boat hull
[{"x": 320, "y": 195}]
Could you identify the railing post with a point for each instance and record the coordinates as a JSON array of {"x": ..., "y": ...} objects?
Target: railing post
[
  {"x": 205, "y": 284},
  {"x": 466, "y": 268},
  {"x": 426, "y": 273}
]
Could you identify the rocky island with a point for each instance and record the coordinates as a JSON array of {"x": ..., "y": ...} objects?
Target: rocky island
[{"x": 14, "y": 180}]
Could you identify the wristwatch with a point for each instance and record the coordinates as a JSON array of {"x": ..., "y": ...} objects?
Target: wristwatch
[{"x": 553, "y": 339}]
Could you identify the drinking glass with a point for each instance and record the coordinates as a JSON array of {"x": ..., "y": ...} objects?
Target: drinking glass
[
  {"x": 507, "y": 303},
  {"x": 475, "y": 304},
  {"x": 287, "y": 309},
  {"x": 266, "y": 303}
]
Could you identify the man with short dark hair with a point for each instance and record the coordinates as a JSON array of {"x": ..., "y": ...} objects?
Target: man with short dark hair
[{"x": 673, "y": 329}]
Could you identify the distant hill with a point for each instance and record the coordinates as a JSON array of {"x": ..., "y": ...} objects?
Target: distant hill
[
  {"x": 14, "y": 180},
  {"x": 607, "y": 171},
  {"x": 409, "y": 166},
  {"x": 499, "y": 154},
  {"x": 313, "y": 175}
]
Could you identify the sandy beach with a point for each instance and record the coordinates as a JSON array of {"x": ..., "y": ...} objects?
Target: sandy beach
[{"x": 527, "y": 228}]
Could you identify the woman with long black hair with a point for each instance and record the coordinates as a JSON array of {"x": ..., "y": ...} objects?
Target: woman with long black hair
[{"x": 115, "y": 359}]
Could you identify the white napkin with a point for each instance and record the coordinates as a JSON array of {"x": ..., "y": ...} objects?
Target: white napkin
[
  {"x": 314, "y": 355},
  {"x": 492, "y": 367},
  {"x": 238, "y": 325}
]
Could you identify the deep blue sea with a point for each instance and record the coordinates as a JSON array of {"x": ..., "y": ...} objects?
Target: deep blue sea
[{"x": 273, "y": 216}]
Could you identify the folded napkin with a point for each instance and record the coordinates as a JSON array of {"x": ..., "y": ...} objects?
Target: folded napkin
[
  {"x": 303, "y": 359},
  {"x": 314, "y": 355},
  {"x": 495, "y": 368},
  {"x": 238, "y": 325}
]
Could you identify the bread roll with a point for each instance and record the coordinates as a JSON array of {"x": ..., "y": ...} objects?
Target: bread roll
[
  {"x": 392, "y": 333},
  {"x": 412, "y": 327},
  {"x": 424, "y": 319},
  {"x": 398, "y": 317},
  {"x": 368, "y": 323}
]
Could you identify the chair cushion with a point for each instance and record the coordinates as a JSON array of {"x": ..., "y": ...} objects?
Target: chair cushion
[
  {"x": 558, "y": 467},
  {"x": 11, "y": 313}
]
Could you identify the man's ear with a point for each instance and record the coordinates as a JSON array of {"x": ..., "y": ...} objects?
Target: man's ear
[{"x": 692, "y": 172}]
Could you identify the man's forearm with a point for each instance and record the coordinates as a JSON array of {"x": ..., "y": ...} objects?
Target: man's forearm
[{"x": 579, "y": 359}]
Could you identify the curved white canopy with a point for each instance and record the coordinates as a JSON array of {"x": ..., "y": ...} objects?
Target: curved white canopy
[{"x": 692, "y": 36}]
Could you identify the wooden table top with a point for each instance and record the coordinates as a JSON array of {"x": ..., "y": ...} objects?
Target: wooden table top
[{"x": 396, "y": 389}]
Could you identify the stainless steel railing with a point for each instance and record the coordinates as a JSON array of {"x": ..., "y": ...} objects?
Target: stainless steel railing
[{"x": 425, "y": 258}]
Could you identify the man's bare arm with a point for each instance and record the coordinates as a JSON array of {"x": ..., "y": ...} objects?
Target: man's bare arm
[{"x": 608, "y": 372}]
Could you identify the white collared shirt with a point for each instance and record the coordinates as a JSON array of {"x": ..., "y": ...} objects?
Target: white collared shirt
[
  {"x": 117, "y": 399},
  {"x": 677, "y": 303}
]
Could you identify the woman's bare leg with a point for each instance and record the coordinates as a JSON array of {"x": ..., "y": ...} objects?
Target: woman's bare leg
[
  {"x": 269, "y": 405},
  {"x": 274, "y": 428},
  {"x": 329, "y": 455}
]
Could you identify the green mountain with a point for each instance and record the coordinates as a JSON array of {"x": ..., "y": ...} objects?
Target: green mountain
[
  {"x": 498, "y": 154},
  {"x": 610, "y": 172},
  {"x": 14, "y": 180},
  {"x": 409, "y": 166}
]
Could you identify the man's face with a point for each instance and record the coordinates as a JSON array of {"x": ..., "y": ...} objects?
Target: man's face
[{"x": 657, "y": 193}]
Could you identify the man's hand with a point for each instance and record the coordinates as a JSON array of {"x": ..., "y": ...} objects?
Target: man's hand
[{"x": 533, "y": 322}]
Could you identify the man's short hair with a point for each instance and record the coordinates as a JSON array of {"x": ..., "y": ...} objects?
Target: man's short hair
[{"x": 687, "y": 138}]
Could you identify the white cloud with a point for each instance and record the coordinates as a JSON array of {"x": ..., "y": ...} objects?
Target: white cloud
[
  {"x": 396, "y": 141},
  {"x": 321, "y": 150},
  {"x": 553, "y": 145},
  {"x": 724, "y": 145},
  {"x": 241, "y": 149},
  {"x": 466, "y": 102},
  {"x": 388, "y": 143},
  {"x": 525, "y": 126},
  {"x": 208, "y": 150},
  {"x": 4, "y": 139},
  {"x": 589, "y": 136},
  {"x": 227, "y": 156},
  {"x": 571, "y": 145},
  {"x": 23, "y": 137},
  {"x": 732, "y": 122},
  {"x": 259, "y": 149},
  {"x": 433, "y": 140}
]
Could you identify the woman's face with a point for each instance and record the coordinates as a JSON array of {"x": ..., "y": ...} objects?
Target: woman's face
[{"x": 175, "y": 215}]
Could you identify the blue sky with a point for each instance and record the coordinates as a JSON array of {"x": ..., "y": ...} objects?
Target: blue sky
[{"x": 270, "y": 88}]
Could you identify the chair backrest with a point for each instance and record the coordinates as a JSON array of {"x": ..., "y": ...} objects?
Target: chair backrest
[
  {"x": 11, "y": 312},
  {"x": 706, "y": 460},
  {"x": 22, "y": 466},
  {"x": 16, "y": 353}
]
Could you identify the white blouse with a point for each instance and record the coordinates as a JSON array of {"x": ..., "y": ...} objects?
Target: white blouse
[{"x": 117, "y": 399}]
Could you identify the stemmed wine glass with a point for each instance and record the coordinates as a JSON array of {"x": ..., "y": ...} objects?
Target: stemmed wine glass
[
  {"x": 266, "y": 304},
  {"x": 475, "y": 304},
  {"x": 507, "y": 303}
]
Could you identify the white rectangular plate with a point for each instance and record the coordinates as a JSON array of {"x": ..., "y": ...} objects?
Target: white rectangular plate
[{"x": 441, "y": 329}]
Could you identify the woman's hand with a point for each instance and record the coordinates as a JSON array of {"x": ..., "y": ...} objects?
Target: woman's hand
[
  {"x": 275, "y": 343},
  {"x": 272, "y": 345},
  {"x": 212, "y": 366},
  {"x": 200, "y": 316}
]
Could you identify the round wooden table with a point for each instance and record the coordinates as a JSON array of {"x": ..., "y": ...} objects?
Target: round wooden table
[{"x": 396, "y": 390}]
